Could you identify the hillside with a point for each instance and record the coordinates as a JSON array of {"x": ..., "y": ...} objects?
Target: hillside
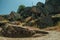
[{"x": 41, "y": 21}]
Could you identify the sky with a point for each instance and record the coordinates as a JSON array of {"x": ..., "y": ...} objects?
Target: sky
[{"x": 6, "y": 6}]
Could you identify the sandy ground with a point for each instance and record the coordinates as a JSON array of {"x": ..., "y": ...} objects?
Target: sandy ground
[{"x": 53, "y": 35}]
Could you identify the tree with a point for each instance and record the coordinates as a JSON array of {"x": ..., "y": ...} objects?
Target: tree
[{"x": 20, "y": 8}]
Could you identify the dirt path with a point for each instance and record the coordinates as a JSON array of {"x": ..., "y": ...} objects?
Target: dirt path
[{"x": 53, "y": 35}]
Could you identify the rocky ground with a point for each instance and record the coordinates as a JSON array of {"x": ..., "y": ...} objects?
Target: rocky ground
[{"x": 53, "y": 35}]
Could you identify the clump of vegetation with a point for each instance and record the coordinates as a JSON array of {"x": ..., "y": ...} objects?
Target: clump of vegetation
[{"x": 20, "y": 8}]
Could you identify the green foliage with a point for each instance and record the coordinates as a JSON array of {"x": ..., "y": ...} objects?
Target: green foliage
[{"x": 20, "y": 8}]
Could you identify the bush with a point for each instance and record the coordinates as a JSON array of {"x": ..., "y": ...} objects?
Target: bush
[{"x": 20, "y": 8}]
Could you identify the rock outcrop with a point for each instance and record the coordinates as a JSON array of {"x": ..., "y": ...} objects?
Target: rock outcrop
[
  {"x": 18, "y": 31},
  {"x": 53, "y": 6},
  {"x": 39, "y": 4},
  {"x": 15, "y": 31},
  {"x": 39, "y": 14},
  {"x": 13, "y": 16}
]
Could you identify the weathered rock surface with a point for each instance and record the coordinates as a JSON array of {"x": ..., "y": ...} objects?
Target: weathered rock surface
[
  {"x": 53, "y": 6},
  {"x": 13, "y": 31},
  {"x": 39, "y": 4},
  {"x": 13, "y": 16},
  {"x": 17, "y": 31},
  {"x": 53, "y": 35},
  {"x": 40, "y": 13}
]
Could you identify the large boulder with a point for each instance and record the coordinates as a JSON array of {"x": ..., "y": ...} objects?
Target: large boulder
[
  {"x": 10, "y": 30},
  {"x": 16, "y": 31},
  {"x": 13, "y": 16},
  {"x": 53, "y": 2},
  {"x": 39, "y": 4},
  {"x": 46, "y": 21},
  {"x": 25, "y": 13},
  {"x": 53, "y": 6},
  {"x": 35, "y": 9},
  {"x": 49, "y": 8}
]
